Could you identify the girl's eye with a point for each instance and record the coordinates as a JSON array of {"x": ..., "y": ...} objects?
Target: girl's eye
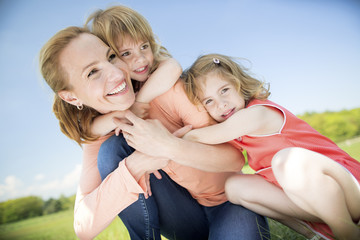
[
  {"x": 112, "y": 57},
  {"x": 224, "y": 90},
  {"x": 208, "y": 101},
  {"x": 125, "y": 54},
  {"x": 92, "y": 72},
  {"x": 145, "y": 46}
]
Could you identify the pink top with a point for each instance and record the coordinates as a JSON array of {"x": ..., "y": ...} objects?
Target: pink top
[
  {"x": 98, "y": 203},
  {"x": 294, "y": 133}
]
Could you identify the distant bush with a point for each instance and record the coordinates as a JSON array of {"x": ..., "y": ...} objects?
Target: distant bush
[
  {"x": 21, "y": 208},
  {"x": 338, "y": 126},
  {"x": 27, "y": 207}
]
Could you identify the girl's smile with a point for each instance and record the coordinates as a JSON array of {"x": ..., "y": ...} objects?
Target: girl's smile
[
  {"x": 228, "y": 113},
  {"x": 137, "y": 55},
  {"x": 219, "y": 97}
]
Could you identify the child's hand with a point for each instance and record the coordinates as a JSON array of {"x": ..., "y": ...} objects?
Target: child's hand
[
  {"x": 148, "y": 192},
  {"x": 182, "y": 132},
  {"x": 140, "y": 109}
]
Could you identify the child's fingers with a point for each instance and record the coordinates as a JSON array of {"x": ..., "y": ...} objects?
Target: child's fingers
[
  {"x": 133, "y": 118},
  {"x": 121, "y": 125},
  {"x": 147, "y": 182},
  {"x": 157, "y": 175},
  {"x": 117, "y": 131},
  {"x": 182, "y": 131}
]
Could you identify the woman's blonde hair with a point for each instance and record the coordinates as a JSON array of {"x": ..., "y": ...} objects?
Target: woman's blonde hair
[
  {"x": 228, "y": 69},
  {"x": 74, "y": 123},
  {"x": 116, "y": 22}
]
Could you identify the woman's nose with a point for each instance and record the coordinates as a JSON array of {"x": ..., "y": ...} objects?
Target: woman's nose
[{"x": 115, "y": 73}]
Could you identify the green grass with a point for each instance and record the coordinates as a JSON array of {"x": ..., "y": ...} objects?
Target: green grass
[
  {"x": 55, "y": 226},
  {"x": 59, "y": 226},
  {"x": 352, "y": 147}
]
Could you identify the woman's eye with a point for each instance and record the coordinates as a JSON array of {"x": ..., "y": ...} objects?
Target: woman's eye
[
  {"x": 92, "y": 72},
  {"x": 112, "y": 57}
]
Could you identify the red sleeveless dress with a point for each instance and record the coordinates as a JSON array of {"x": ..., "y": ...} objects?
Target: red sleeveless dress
[{"x": 294, "y": 133}]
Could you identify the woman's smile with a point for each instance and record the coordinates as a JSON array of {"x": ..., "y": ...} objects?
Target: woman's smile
[{"x": 122, "y": 88}]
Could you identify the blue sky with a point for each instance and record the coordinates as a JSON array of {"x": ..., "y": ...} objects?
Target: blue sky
[{"x": 308, "y": 50}]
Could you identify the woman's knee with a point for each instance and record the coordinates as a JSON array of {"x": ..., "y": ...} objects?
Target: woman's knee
[
  {"x": 115, "y": 145},
  {"x": 111, "y": 153}
]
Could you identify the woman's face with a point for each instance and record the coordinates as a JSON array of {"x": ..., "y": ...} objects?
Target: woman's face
[
  {"x": 98, "y": 78},
  {"x": 137, "y": 55}
]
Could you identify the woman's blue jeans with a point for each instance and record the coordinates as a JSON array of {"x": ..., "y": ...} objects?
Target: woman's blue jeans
[{"x": 172, "y": 212}]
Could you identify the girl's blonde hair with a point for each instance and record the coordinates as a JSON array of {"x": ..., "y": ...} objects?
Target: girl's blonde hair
[
  {"x": 228, "y": 69},
  {"x": 116, "y": 22},
  {"x": 74, "y": 123}
]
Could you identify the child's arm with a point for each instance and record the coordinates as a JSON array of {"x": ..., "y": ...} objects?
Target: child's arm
[
  {"x": 256, "y": 120},
  {"x": 161, "y": 80},
  {"x": 104, "y": 124}
]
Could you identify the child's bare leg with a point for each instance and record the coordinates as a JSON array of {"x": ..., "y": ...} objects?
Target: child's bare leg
[
  {"x": 321, "y": 187},
  {"x": 262, "y": 197}
]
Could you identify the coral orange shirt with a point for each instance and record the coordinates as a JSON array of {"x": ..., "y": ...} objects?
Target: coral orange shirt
[{"x": 98, "y": 203}]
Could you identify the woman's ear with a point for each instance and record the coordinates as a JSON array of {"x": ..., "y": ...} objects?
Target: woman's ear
[{"x": 69, "y": 97}]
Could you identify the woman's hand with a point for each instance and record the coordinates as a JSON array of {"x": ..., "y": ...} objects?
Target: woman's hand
[{"x": 147, "y": 136}]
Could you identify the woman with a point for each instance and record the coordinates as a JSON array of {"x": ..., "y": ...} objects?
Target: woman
[{"x": 67, "y": 61}]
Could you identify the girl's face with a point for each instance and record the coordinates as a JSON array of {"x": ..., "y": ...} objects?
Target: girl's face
[
  {"x": 97, "y": 78},
  {"x": 220, "y": 97},
  {"x": 138, "y": 56}
]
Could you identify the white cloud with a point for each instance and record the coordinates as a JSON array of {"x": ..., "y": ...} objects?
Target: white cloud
[
  {"x": 11, "y": 188},
  {"x": 14, "y": 187},
  {"x": 39, "y": 177}
]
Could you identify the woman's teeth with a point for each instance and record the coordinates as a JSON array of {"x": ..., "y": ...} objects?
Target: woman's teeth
[{"x": 120, "y": 88}]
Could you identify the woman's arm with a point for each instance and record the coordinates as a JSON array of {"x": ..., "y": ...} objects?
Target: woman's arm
[
  {"x": 98, "y": 202},
  {"x": 161, "y": 80},
  {"x": 152, "y": 138}
]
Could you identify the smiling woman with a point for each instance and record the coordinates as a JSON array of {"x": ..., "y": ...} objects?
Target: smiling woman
[
  {"x": 98, "y": 72},
  {"x": 98, "y": 78}
]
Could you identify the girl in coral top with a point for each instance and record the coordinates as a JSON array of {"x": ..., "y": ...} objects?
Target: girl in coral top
[{"x": 301, "y": 175}]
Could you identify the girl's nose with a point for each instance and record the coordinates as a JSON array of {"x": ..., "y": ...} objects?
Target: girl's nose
[
  {"x": 139, "y": 57},
  {"x": 222, "y": 104}
]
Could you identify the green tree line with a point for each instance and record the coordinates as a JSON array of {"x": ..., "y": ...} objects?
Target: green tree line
[
  {"x": 32, "y": 206},
  {"x": 338, "y": 126}
]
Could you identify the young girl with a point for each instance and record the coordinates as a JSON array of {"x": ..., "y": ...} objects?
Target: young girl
[
  {"x": 151, "y": 67},
  {"x": 300, "y": 174}
]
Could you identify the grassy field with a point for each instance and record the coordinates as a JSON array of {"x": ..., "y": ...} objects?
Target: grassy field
[{"x": 58, "y": 226}]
